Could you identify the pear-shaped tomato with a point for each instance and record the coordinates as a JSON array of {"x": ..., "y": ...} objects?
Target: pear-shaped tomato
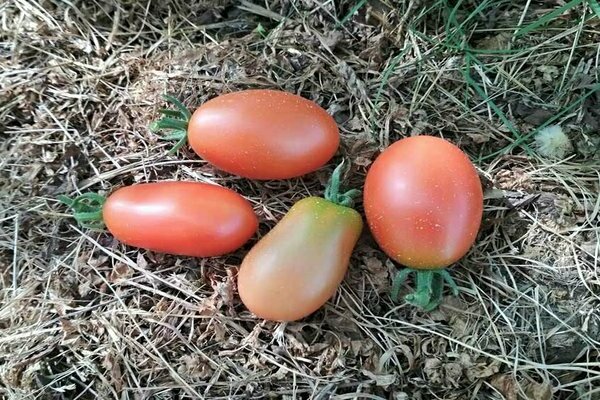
[
  {"x": 293, "y": 270},
  {"x": 257, "y": 133}
]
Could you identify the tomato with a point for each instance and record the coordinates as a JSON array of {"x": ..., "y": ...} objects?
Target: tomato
[
  {"x": 181, "y": 218},
  {"x": 258, "y": 134},
  {"x": 423, "y": 203},
  {"x": 293, "y": 270}
]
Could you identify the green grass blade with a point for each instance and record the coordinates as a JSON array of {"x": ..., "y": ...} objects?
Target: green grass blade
[
  {"x": 479, "y": 90},
  {"x": 352, "y": 11},
  {"x": 451, "y": 20},
  {"x": 480, "y": 8},
  {"x": 548, "y": 17},
  {"x": 595, "y": 6},
  {"x": 549, "y": 122}
]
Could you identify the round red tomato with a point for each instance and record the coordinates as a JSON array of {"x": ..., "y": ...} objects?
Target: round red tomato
[
  {"x": 423, "y": 202},
  {"x": 263, "y": 134},
  {"x": 182, "y": 218}
]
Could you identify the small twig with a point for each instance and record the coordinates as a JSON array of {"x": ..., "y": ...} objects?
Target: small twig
[
  {"x": 114, "y": 30},
  {"x": 258, "y": 10},
  {"x": 15, "y": 252}
]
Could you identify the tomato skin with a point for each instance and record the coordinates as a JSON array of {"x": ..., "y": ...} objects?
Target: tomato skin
[
  {"x": 182, "y": 218},
  {"x": 423, "y": 202},
  {"x": 263, "y": 134},
  {"x": 294, "y": 269}
]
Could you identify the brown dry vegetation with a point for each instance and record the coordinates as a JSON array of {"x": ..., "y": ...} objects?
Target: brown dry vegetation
[{"x": 83, "y": 316}]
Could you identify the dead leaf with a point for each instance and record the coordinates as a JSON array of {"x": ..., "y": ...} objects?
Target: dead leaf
[
  {"x": 381, "y": 380},
  {"x": 361, "y": 347},
  {"x": 479, "y": 138},
  {"x": 332, "y": 38},
  {"x": 120, "y": 272},
  {"x": 378, "y": 274},
  {"x": 539, "y": 391},
  {"x": 550, "y": 72},
  {"x": 482, "y": 370},
  {"x": 355, "y": 124},
  {"x": 281, "y": 374},
  {"x": 496, "y": 42},
  {"x": 141, "y": 261},
  {"x": 329, "y": 360},
  {"x": 318, "y": 348},
  {"x": 84, "y": 288},
  {"x": 362, "y": 161},
  {"x": 112, "y": 366},
  {"x": 253, "y": 340},
  {"x": 432, "y": 369},
  {"x": 296, "y": 345},
  {"x": 346, "y": 326},
  {"x": 410, "y": 357},
  {"x": 532, "y": 115},
  {"x": 224, "y": 291},
  {"x": 453, "y": 372},
  {"x": 506, "y": 385},
  {"x": 193, "y": 366},
  {"x": 356, "y": 86},
  {"x": 220, "y": 331},
  {"x": 515, "y": 178}
]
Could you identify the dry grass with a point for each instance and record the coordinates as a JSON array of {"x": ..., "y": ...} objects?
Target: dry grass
[{"x": 83, "y": 316}]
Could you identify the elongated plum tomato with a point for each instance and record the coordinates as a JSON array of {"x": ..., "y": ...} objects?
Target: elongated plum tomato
[
  {"x": 260, "y": 133},
  {"x": 293, "y": 270},
  {"x": 423, "y": 202},
  {"x": 181, "y": 218}
]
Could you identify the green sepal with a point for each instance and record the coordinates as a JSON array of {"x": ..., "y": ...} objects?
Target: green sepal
[
  {"x": 87, "y": 209},
  {"x": 176, "y": 120},
  {"x": 332, "y": 191},
  {"x": 430, "y": 287}
]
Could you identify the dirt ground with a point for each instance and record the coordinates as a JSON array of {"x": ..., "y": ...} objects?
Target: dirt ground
[{"x": 83, "y": 316}]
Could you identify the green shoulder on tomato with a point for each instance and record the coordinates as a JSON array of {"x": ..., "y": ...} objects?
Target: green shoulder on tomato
[{"x": 296, "y": 267}]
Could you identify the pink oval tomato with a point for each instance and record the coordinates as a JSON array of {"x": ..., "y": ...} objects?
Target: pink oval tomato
[
  {"x": 423, "y": 202},
  {"x": 263, "y": 134},
  {"x": 294, "y": 269},
  {"x": 181, "y": 218}
]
